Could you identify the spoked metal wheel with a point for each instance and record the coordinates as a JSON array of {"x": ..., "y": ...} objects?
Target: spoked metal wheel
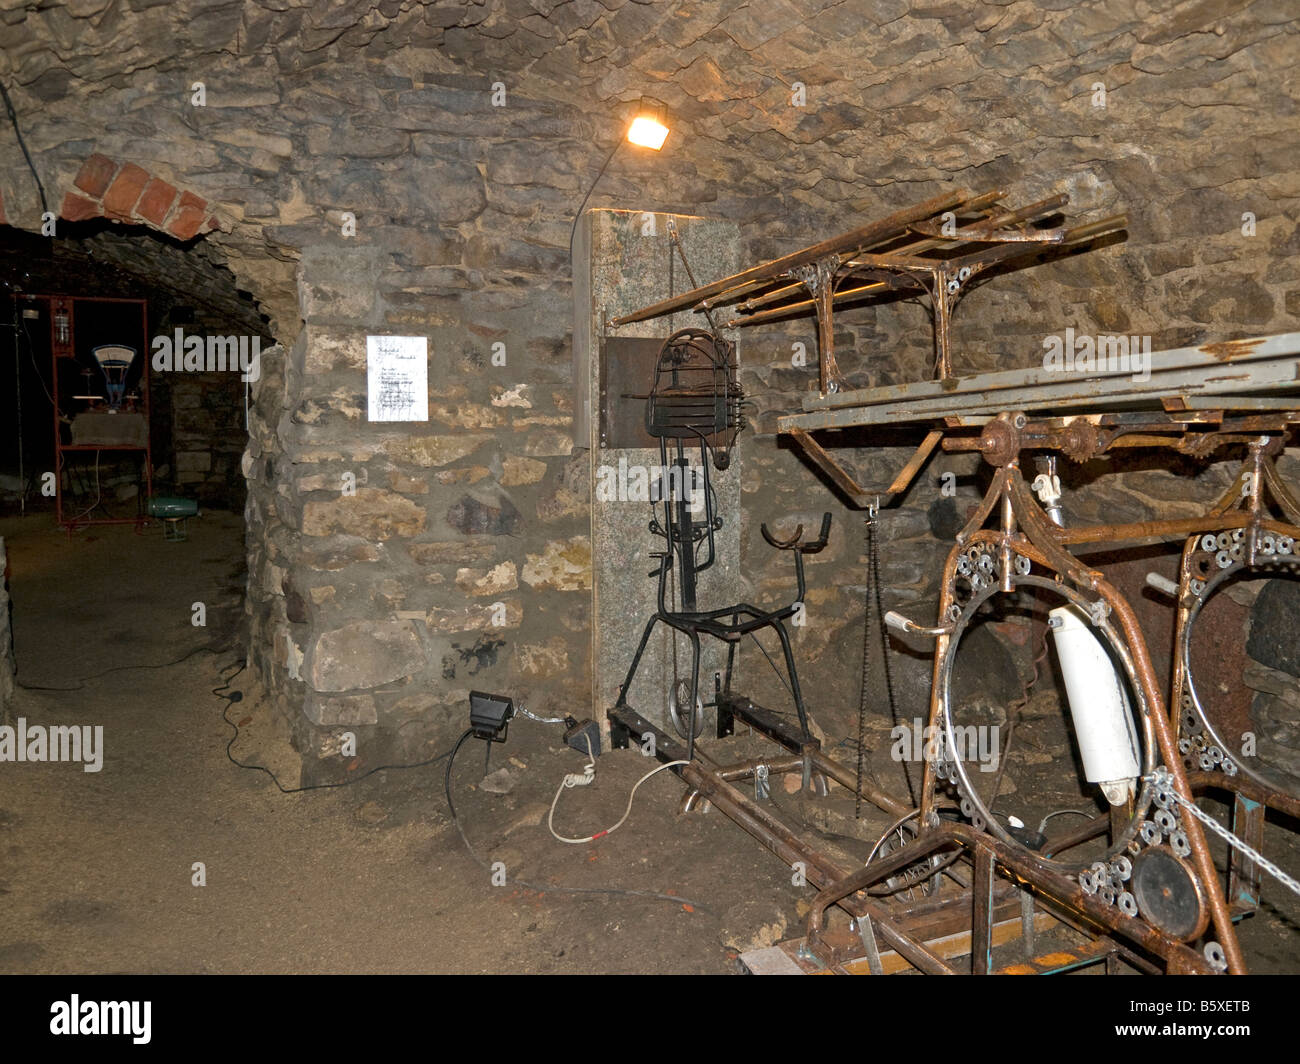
[
  {"x": 955, "y": 769},
  {"x": 916, "y": 881},
  {"x": 679, "y": 699},
  {"x": 1206, "y": 740}
]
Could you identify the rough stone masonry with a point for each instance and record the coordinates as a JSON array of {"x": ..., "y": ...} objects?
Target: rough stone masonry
[
  {"x": 415, "y": 170},
  {"x": 6, "y": 644}
]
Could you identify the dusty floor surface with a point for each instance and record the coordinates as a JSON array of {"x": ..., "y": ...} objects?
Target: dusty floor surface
[{"x": 96, "y": 868}]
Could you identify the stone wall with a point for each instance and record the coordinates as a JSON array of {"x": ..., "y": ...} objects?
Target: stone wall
[
  {"x": 206, "y": 438},
  {"x": 6, "y": 643},
  {"x": 416, "y": 171}
]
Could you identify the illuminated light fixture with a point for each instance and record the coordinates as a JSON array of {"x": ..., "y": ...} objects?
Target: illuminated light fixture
[{"x": 649, "y": 128}]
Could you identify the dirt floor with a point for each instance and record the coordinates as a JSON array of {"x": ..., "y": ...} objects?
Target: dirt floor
[{"x": 97, "y": 869}]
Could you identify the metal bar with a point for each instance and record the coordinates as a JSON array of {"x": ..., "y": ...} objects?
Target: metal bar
[
  {"x": 872, "y": 233},
  {"x": 828, "y": 766},
  {"x": 1057, "y": 963},
  {"x": 776, "y": 313},
  {"x": 1167, "y": 529},
  {"x": 1027, "y": 921},
  {"x": 766, "y": 722},
  {"x": 1238, "y": 402},
  {"x": 842, "y": 479},
  {"x": 1026, "y": 865},
  {"x": 945, "y": 946},
  {"x": 1272, "y": 375},
  {"x": 1204, "y": 355},
  {"x": 915, "y": 953},
  {"x": 763, "y": 826},
  {"x": 914, "y": 464},
  {"x": 981, "y": 945},
  {"x": 1239, "y": 784},
  {"x": 1088, "y": 231},
  {"x": 838, "y": 474},
  {"x": 1200, "y": 855},
  {"x": 988, "y": 228},
  {"x": 1077, "y": 235},
  {"x": 1243, "y": 873},
  {"x": 869, "y": 945}
]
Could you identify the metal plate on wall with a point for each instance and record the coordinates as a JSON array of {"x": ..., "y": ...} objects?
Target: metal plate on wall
[{"x": 627, "y": 368}]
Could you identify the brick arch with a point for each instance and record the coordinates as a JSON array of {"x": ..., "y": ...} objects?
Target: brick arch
[{"x": 129, "y": 193}]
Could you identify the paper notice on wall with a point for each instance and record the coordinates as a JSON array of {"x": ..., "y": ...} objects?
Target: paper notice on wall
[{"x": 397, "y": 378}]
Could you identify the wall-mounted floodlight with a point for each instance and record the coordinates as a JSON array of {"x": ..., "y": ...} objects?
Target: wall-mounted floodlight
[{"x": 649, "y": 128}]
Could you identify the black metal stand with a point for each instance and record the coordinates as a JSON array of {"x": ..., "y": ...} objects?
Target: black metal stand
[{"x": 730, "y": 623}]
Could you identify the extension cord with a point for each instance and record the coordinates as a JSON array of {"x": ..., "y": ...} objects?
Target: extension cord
[{"x": 586, "y": 778}]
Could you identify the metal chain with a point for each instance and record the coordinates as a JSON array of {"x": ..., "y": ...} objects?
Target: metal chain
[
  {"x": 672, "y": 632},
  {"x": 1163, "y": 779},
  {"x": 866, "y": 661},
  {"x": 873, "y": 611},
  {"x": 676, "y": 239},
  {"x": 884, "y": 639}
]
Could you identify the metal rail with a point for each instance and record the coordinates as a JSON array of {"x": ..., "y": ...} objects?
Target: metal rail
[{"x": 938, "y": 248}]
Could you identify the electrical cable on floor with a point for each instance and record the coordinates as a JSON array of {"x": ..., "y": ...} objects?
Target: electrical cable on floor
[
  {"x": 450, "y": 757},
  {"x": 237, "y": 696},
  {"x": 81, "y": 683},
  {"x": 585, "y": 779},
  {"x": 540, "y": 720},
  {"x": 540, "y": 888}
]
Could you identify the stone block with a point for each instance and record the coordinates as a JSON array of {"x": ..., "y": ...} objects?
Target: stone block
[
  {"x": 371, "y": 513},
  {"x": 364, "y": 654},
  {"x": 565, "y": 565},
  {"x": 125, "y": 190},
  {"x": 494, "y": 581}
]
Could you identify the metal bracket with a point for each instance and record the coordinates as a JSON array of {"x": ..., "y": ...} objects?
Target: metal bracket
[
  {"x": 842, "y": 479},
  {"x": 819, "y": 278}
]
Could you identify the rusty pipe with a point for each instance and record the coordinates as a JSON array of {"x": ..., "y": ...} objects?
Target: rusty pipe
[{"x": 1023, "y": 864}]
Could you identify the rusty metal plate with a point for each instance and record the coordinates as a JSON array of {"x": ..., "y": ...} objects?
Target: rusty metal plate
[{"x": 627, "y": 368}]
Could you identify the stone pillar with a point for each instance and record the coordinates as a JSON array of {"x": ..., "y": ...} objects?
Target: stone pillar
[
  {"x": 395, "y": 566},
  {"x": 624, "y": 261}
]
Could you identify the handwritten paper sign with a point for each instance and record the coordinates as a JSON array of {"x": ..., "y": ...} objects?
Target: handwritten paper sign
[{"x": 397, "y": 378}]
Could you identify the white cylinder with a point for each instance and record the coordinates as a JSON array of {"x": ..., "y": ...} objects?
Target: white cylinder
[
  {"x": 1162, "y": 583},
  {"x": 1099, "y": 706}
]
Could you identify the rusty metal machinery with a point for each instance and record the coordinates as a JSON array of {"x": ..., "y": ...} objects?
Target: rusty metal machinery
[
  {"x": 1155, "y": 884},
  {"x": 1217, "y": 754},
  {"x": 939, "y": 249},
  {"x": 1136, "y": 882}
]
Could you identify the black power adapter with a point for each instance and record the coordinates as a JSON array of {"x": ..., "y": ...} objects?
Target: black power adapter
[{"x": 577, "y": 734}]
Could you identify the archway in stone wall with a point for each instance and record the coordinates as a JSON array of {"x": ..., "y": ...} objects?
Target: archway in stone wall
[
  {"x": 129, "y": 261},
  {"x": 85, "y": 282}
]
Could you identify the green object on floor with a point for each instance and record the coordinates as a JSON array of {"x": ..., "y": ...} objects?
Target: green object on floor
[
  {"x": 166, "y": 506},
  {"x": 174, "y": 513}
]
